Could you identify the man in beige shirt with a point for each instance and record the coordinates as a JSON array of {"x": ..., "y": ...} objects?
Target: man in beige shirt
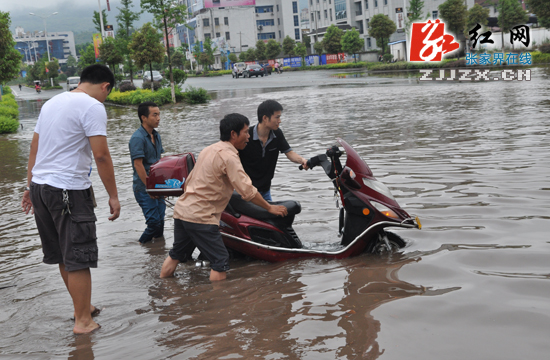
[{"x": 208, "y": 189}]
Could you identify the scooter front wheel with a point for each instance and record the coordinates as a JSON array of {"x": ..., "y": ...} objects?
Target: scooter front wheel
[{"x": 387, "y": 243}]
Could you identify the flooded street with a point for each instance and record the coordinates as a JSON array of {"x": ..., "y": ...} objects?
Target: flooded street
[{"x": 469, "y": 159}]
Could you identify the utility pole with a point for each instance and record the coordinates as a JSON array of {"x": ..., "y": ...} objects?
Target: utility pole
[
  {"x": 100, "y": 19},
  {"x": 240, "y": 42}
]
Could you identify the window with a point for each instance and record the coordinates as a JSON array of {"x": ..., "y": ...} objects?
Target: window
[
  {"x": 266, "y": 36},
  {"x": 294, "y": 7},
  {"x": 216, "y": 21},
  {"x": 297, "y": 34},
  {"x": 207, "y": 36},
  {"x": 297, "y": 20},
  {"x": 326, "y": 15},
  {"x": 318, "y": 15},
  {"x": 278, "y": 21},
  {"x": 227, "y": 37},
  {"x": 385, "y": 2},
  {"x": 277, "y": 8},
  {"x": 264, "y": 9},
  {"x": 206, "y": 22},
  {"x": 226, "y": 21},
  {"x": 280, "y": 34},
  {"x": 368, "y": 23},
  {"x": 369, "y": 45},
  {"x": 312, "y": 17},
  {"x": 330, "y": 12},
  {"x": 311, "y": 2},
  {"x": 375, "y": 3},
  {"x": 366, "y": 4},
  {"x": 218, "y": 35},
  {"x": 434, "y": 14},
  {"x": 269, "y": 22}
]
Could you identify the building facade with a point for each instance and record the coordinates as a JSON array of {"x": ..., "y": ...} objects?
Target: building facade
[
  {"x": 357, "y": 13},
  {"x": 32, "y": 45}
]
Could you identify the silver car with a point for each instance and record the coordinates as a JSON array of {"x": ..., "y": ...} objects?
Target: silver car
[{"x": 156, "y": 76}]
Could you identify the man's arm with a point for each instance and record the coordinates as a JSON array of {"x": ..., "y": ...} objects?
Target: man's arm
[
  {"x": 140, "y": 169},
  {"x": 106, "y": 172},
  {"x": 295, "y": 158},
  {"x": 279, "y": 210},
  {"x": 26, "y": 203}
]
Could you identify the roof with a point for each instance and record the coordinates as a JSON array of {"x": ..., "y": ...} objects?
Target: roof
[{"x": 396, "y": 42}]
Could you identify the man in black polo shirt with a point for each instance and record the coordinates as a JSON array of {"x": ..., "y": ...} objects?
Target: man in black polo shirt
[{"x": 259, "y": 157}]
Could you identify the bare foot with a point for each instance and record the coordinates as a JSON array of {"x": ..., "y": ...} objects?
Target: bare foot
[
  {"x": 93, "y": 311},
  {"x": 86, "y": 329}
]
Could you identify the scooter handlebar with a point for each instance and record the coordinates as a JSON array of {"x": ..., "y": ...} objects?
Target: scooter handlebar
[{"x": 311, "y": 163}]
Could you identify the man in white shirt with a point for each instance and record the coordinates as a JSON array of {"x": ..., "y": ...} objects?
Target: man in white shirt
[{"x": 70, "y": 128}]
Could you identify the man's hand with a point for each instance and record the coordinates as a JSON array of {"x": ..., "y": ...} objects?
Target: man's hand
[
  {"x": 279, "y": 210},
  {"x": 304, "y": 164},
  {"x": 26, "y": 203},
  {"x": 114, "y": 205}
]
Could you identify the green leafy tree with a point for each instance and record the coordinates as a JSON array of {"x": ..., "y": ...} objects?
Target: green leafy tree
[
  {"x": 110, "y": 54},
  {"x": 125, "y": 27},
  {"x": 145, "y": 47},
  {"x": 261, "y": 50},
  {"x": 250, "y": 55},
  {"x": 541, "y": 8},
  {"x": 233, "y": 57},
  {"x": 178, "y": 59},
  {"x": 206, "y": 58},
  {"x": 71, "y": 61},
  {"x": 87, "y": 58},
  {"x": 352, "y": 42},
  {"x": 167, "y": 14},
  {"x": 273, "y": 49},
  {"x": 179, "y": 77},
  {"x": 381, "y": 27},
  {"x": 454, "y": 13},
  {"x": 301, "y": 51},
  {"x": 476, "y": 15},
  {"x": 9, "y": 57},
  {"x": 242, "y": 56},
  {"x": 414, "y": 10},
  {"x": 510, "y": 14},
  {"x": 318, "y": 47},
  {"x": 81, "y": 48},
  {"x": 53, "y": 69},
  {"x": 332, "y": 39},
  {"x": 97, "y": 22},
  {"x": 307, "y": 41},
  {"x": 288, "y": 45}
]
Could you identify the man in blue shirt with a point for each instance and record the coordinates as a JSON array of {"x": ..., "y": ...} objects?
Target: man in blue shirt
[{"x": 145, "y": 150}]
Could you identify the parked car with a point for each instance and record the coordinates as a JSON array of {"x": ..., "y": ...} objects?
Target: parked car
[
  {"x": 253, "y": 69},
  {"x": 267, "y": 68},
  {"x": 72, "y": 82},
  {"x": 240, "y": 67},
  {"x": 156, "y": 76}
]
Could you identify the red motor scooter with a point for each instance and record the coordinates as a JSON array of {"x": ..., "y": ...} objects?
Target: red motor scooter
[{"x": 367, "y": 209}]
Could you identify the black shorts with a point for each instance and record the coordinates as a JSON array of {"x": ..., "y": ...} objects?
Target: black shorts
[
  {"x": 68, "y": 239},
  {"x": 207, "y": 238}
]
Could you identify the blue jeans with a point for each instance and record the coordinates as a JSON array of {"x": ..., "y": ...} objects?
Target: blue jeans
[
  {"x": 153, "y": 210},
  {"x": 266, "y": 195}
]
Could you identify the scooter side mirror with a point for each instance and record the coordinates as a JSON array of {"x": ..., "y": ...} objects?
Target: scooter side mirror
[{"x": 348, "y": 179}]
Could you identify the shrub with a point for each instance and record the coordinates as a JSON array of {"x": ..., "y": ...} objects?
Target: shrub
[
  {"x": 545, "y": 48},
  {"x": 147, "y": 85},
  {"x": 540, "y": 58},
  {"x": 7, "y": 110},
  {"x": 127, "y": 86},
  {"x": 179, "y": 76},
  {"x": 62, "y": 77},
  {"x": 136, "y": 97},
  {"x": 8, "y": 124},
  {"x": 196, "y": 95},
  {"x": 387, "y": 57}
]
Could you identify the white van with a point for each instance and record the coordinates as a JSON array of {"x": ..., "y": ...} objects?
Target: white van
[
  {"x": 72, "y": 82},
  {"x": 240, "y": 67}
]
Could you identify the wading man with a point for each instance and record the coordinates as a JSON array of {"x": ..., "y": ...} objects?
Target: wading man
[
  {"x": 70, "y": 128},
  {"x": 259, "y": 158},
  {"x": 145, "y": 150},
  {"x": 208, "y": 189}
]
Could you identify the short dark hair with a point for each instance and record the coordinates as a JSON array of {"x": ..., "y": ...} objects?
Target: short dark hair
[
  {"x": 97, "y": 74},
  {"x": 232, "y": 122},
  {"x": 143, "y": 109},
  {"x": 268, "y": 108}
]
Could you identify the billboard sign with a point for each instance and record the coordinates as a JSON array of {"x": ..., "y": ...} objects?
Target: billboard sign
[
  {"x": 227, "y": 3},
  {"x": 97, "y": 41}
]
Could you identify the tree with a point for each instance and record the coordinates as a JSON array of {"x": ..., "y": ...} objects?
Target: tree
[
  {"x": 167, "y": 14},
  {"x": 87, "y": 58},
  {"x": 351, "y": 42},
  {"x": 179, "y": 77},
  {"x": 318, "y": 47},
  {"x": 110, "y": 54},
  {"x": 207, "y": 56},
  {"x": 288, "y": 45},
  {"x": 415, "y": 13},
  {"x": 332, "y": 38},
  {"x": 9, "y": 57},
  {"x": 307, "y": 41},
  {"x": 97, "y": 22},
  {"x": 454, "y": 13},
  {"x": 125, "y": 26},
  {"x": 178, "y": 58},
  {"x": 145, "y": 47},
  {"x": 301, "y": 51},
  {"x": 273, "y": 49},
  {"x": 261, "y": 49},
  {"x": 510, "y": 14},
  {"x": 242, "y": 56},
  {"x": 250, "y": 55},
  {"x": 380, "y": 28},
  {"x": 81, "y": 48},
  {"x": 476, "y": 15},
  {"x": 541, "y": 8},
  {"x": 53, "y": 68},
  {"x": 233, "y": 57}
]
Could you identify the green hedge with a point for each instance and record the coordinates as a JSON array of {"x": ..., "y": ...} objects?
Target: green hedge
[
  {"x": 160, "y": 97},
  {"x": 540, "y": 58},
  {"x": 9, "y": 113}
]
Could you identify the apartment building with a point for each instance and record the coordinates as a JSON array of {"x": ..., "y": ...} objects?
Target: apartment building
[{"x": 32, "y": 45}]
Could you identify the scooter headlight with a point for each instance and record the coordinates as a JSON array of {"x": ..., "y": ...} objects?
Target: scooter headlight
[
  {"x": 378, "y": 187},
  {"x": 385, "y": 210}
]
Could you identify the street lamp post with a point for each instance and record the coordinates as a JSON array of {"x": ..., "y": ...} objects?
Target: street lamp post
[{"x": 46, "y": 35}]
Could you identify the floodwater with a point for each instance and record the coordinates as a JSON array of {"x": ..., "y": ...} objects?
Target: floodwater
[{"x": 470, "y": 159}]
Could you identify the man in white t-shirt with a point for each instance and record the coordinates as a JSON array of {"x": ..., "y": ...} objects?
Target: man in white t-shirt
[{"x": 70, "y": 128}]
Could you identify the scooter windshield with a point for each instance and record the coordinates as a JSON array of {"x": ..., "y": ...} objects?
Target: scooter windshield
[{"x": 354, "y": 161}]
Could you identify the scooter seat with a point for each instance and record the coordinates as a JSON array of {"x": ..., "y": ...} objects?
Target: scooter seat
[{"x": 254, "y": 211}]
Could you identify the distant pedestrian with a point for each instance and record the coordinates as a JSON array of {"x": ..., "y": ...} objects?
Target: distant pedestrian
[
  {"x": 70, "y": 128},
  {"x": 145, "y": 150},
  {"x": 277, "y": 67},
  {"x": 19, "y": 87}
]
